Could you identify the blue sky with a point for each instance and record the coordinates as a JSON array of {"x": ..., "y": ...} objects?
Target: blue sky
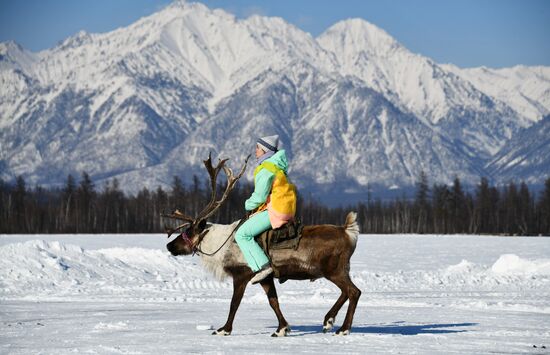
[{"x": 494, "y": 33}]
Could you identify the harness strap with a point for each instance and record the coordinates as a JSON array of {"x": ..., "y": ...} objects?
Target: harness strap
[{"x": 203, "y": 234}]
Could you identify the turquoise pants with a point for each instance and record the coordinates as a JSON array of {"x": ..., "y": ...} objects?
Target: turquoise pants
[{"x": 253, "y": 254}]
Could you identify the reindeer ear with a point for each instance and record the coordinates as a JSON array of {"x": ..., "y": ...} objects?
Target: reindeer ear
[{"x": 201, "y": 225}]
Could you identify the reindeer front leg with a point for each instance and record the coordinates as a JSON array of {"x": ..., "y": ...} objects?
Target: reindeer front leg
[
  {"x": 269, "y": 287},
  {"x": 239, "y": 285}
]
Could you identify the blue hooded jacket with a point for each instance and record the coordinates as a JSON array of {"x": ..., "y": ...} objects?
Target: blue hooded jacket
[{"x": 264, "y": 181}]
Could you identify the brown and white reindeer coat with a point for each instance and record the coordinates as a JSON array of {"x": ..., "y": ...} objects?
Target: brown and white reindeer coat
[{"x": 324, "y": 251}]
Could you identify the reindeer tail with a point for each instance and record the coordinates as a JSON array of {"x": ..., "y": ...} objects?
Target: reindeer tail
[{"x": 352, "y": 227}]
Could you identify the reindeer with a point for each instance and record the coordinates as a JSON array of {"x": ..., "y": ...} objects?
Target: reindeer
[{"x": 324, "y": 251}]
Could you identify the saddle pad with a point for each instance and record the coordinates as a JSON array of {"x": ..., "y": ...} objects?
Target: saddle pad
[{"x": 285, "y": 237}]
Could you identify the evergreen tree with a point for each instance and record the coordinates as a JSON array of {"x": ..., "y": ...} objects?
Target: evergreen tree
[
  {"x": 543, "y": 208},
  {"x": 441, "y": 206},
  {"x": 143, "y": 213},
  {"x": 483, "y": 207},
  {"x": 459, "y": 210},
  {"x": 85, "y": 198},
  {"x": 510, "y": 206},
  {"x": 422, "y": 206},
  {"x": 79, "y": 208},
  {"x": 5, "y": 206},
  {"x": 68, "y": 209},
  {"x": 19, "y": 206},
  {"x": 160, "y": 205},
  {"x": 177, "y": 195},
  {"x": 525, "y": 209},
  {"x": 494, "y": 221}
]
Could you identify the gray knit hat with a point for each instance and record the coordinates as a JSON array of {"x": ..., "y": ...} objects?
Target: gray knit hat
[{"x": 269, "y": 143}]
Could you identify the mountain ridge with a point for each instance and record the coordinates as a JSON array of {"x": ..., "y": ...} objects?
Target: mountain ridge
[{"x": 145, "y": 102}]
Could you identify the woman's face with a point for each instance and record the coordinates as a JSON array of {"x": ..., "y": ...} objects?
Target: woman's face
[{"x": 259, "y": 151}]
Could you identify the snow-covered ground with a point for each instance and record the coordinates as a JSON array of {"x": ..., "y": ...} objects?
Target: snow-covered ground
[{"x": 124, "y": 294}]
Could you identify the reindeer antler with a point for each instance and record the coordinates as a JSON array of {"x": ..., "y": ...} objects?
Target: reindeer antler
[
  {"x": 214, "y": 204},
  {"x": 179, "y": 216}
]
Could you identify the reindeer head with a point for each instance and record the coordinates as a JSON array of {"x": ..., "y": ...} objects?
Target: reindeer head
[{"x": 194, "y": 229}]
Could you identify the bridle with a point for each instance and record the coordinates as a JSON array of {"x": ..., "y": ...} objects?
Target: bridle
[{"x": 186, "y": 239}]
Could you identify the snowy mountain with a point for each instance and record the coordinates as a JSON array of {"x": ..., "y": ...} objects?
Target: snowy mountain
[
  {"x": 526, "y": 156},
  {"x": 525, "y": 89},
  {"x": 415, "y": 83},
  {"x": 149, "y": 101}
]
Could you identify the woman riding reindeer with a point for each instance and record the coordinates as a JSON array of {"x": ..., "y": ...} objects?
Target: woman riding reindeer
[
  {"x": 271, "y": 205},
  {"x": 324, "y": 251}
]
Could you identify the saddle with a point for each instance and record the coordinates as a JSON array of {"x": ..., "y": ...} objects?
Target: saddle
[{"x": 285, "y": 237}]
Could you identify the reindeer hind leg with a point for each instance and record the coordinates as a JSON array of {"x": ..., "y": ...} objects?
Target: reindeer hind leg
[
  {"x": 353, "y": 293},
  {"x": 331, "y": 315}
]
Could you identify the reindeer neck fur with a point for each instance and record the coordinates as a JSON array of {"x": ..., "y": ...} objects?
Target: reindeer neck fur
[{"x": 229, "y": 255}]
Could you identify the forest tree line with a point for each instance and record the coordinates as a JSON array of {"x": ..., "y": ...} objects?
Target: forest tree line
[{"x": 82, "y": 207}]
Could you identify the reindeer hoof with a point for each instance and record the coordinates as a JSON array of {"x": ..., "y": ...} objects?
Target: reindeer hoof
[
  {"x": 327, "y": 327},
  {"x": 221, "y": 331},
  {"x": 342, "y": 332},
  {"x": 283, "y": 332}
]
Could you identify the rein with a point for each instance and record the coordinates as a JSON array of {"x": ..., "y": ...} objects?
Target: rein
[{"x": 196, "y": 249}]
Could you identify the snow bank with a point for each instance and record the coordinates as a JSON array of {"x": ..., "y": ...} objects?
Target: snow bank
[
  {"x": 51, "y": 270},
  {"x": 510, "y": 264},
  {"x": 508, "y": 272},
  {"x": 37, "y": 269}
]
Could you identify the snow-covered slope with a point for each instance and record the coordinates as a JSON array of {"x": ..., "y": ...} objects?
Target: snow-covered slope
[
  {"x": 415, "y": 83},
  {"x": 525, "y": 89},
  {"x": 359, "y": 135},
  {"x": 148, "y": 101},
  {"x": 526, "y": 156}
]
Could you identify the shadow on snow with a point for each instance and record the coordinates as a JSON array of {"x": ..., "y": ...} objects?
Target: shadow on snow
[{"x": 394, "y": 328}]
